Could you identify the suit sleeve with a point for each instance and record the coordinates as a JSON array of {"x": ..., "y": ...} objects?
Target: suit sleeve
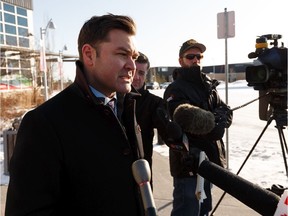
[{"x": 34, "y": 168}]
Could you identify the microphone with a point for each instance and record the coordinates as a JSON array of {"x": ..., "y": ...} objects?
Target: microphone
[
  {"x": 193, "y": 119},
  {"x": 142, "y": 175},
  {"x": 262, "y": 201}
]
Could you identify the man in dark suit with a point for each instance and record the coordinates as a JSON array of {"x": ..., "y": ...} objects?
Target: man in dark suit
[{"x": 74, "y": 153}]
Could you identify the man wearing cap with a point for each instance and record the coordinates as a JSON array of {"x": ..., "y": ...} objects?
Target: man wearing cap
[{"x": 195, "y": 91}]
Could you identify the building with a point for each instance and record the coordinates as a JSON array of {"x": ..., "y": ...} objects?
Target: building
[
  {"x": 20, "y": 57},
  {"x": 165, "y": 74}
]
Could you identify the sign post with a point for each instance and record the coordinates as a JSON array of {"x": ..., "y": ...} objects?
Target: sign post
[{"x": 225, "y": 30}]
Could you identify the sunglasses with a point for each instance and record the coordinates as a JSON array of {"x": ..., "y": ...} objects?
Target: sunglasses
[{"x": 192, "y": 56}]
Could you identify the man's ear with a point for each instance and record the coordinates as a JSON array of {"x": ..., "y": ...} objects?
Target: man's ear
[
  {"x": 180, "y": 60},
  {"x": 89, "y": 54}
]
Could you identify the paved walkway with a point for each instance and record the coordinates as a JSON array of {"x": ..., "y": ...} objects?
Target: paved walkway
[
  {"x": 163, "y": 193},
  {"x": 163, "y": 187}
]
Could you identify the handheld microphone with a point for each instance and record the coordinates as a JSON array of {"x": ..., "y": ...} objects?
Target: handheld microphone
[
  {"x": 262, "y": 201},
  {"x": 142, "y": 175}
]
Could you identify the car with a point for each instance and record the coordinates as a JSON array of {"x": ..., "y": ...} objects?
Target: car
[
  {"x": 153, "y": 85},
  {"x": 164, "y": 85}
]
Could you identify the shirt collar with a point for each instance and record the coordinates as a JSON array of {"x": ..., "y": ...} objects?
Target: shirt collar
[{"x": 100, "y": 95}]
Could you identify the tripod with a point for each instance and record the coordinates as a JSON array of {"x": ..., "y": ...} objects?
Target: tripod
[{"x": 279, "y": 114}]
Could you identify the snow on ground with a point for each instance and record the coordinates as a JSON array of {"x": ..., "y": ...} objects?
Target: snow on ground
[{"x": 264, "y": 167}]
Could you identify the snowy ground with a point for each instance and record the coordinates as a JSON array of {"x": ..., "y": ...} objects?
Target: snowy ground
[{"x": 264, "y": 167}]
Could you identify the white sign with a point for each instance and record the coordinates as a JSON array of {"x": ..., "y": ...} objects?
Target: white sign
[{"x": 226, "y": 25}]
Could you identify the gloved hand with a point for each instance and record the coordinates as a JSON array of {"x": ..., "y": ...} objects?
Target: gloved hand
[
  {"x": 218, "y": 131},
  {"x": 223, "y": 115},
  {"x": 191, "y": 160}
]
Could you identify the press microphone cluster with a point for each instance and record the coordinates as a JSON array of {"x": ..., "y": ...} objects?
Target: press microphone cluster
[
  {"x": 260, "y": 200},
  {"x": 142, "y": 175}
]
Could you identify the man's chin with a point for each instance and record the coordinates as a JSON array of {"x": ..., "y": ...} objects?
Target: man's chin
[{"x": 124, "y": 88}]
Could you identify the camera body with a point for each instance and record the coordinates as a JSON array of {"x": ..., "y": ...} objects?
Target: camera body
[
  {"x": 269, "y": 75},
  {"x": 271, "y": 71}
]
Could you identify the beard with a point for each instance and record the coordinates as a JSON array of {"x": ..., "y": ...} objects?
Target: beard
[{"x": 192, "y": 74}]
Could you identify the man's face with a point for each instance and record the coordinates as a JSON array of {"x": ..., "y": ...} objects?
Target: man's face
[
  {"x": 113, "y": 67},
  {"x": 140, "y": 75},
  {"x": 191, "y": 57}
]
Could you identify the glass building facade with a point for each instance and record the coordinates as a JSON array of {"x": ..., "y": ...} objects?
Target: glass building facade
[{"x": 16, "y": 30}]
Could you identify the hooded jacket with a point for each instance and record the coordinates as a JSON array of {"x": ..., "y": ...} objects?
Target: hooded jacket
[
  {"x": 73, "y": 157},
  {"x": 195, "y": 88}
]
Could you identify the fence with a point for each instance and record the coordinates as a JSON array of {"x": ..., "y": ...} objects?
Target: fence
[{"x": 9, "y": 138}]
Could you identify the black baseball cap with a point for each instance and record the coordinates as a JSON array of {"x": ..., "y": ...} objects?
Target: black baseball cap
[{"x": 191, "y": 44}]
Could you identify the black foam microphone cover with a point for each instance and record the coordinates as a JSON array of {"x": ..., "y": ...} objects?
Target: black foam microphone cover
[
  {"x": 193, "y": 119},
  {"x": 261, "y": 200}
]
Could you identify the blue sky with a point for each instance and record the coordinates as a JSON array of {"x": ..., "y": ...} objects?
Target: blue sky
[{"x": 163, "y": 25}]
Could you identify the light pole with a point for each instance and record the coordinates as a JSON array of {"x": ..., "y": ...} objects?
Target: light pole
[
  {"x": 61, "y": 66},
  {"x": 43, "y": 67}
]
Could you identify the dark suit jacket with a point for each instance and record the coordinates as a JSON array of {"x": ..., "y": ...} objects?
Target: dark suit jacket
[{"x": 74, "y": 157}]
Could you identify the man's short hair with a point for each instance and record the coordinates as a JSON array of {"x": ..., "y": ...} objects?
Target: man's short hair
[
  {"x": 96, "y": 29},
  {"x": 143, "y": 59}
]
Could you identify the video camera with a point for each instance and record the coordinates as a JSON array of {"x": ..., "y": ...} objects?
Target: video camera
[
  {"x": 271, "y": 73},
  {"x": 269, "y": 76}
]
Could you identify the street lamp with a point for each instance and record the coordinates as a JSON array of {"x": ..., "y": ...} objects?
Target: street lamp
[
  {"x": 43, "y": 67},
  {"x": 61, "y": 65}
]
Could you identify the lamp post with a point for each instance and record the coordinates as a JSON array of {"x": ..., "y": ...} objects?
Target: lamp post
[
  {"x": 61, "y": 66},
  {"x": 43, "y": 67}
]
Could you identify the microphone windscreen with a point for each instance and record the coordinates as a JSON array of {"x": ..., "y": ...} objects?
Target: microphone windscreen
[
  {"x": 261, "y": 200},
  {"x": 193, "y": 119},
  {"x": 141, "y": 171}
]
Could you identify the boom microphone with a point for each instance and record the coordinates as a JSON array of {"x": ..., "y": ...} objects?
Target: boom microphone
[
  {"x": 262, "y": 201},
  {"x": 142, "y": 175},
  {"x": 193, "y": 119}
]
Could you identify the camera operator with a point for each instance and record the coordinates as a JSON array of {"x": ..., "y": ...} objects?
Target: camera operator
[{"x": 194, "y": 103}]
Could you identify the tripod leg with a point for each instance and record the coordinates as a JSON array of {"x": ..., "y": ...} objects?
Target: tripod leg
[
  {"x": 283, "y": 142},
  {"x": 221, "y": 198}
]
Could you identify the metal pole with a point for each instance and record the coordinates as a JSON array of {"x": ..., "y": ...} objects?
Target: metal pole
[
  {"x": 226, "y": 82},
  {"x": 61, "y": 69},
  {"x": 44, "y": 68}
]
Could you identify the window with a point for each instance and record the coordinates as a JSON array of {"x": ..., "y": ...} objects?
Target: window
[
  {"x": 10, "y": 8},
  {"x": 10, "y": 40},
  {"x": 9, "y": 18},
  {"x": 21, "y": 11},
  {"x": 1, "y": 39},
  {"x": 22, "y": 21},
  {"x": 10, "y": 29},
  {"x": 22, "y": 32},
  {"x": 23, "y": 42}
]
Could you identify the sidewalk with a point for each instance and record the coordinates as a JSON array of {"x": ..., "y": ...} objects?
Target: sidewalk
[{"x": 163, "y": 186}]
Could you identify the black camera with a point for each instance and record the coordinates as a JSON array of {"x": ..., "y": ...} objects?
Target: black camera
[
  {"x": 269, "y": 75},
  {"x": 271, "y": 71}
]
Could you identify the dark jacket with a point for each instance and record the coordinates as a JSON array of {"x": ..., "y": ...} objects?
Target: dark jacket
[
  {"x": 146, "y": 114},
  {"x": 198, "y": 89},
  {"x": 73, "y": 157}
]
